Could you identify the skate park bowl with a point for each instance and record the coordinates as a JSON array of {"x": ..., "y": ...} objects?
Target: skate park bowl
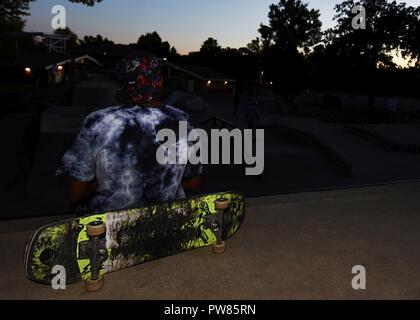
[
  {"x": 58, "y": 129},
  {"x": 187, "y": 102},
  {"x": 95, "y": 94}
]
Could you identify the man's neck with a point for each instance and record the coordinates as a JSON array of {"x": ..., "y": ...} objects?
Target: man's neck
[{"x": 154, "y": 103}]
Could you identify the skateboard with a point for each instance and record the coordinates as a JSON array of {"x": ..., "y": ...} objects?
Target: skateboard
[{"x": 91, "y": 246}]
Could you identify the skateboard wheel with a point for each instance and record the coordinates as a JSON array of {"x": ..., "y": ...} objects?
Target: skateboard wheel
[
  {"x": 94, "y": 285},
  {"x": 95, "y": 229},
  {"x": 221, "y": 203},
  {"x": 219, "y": 248}
]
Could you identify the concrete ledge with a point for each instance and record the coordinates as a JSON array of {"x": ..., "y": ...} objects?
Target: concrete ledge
[
  {"x": 391, "y": 144},
  {"x": 328, "y": 193},
  {"x": 342, "y": 164}
]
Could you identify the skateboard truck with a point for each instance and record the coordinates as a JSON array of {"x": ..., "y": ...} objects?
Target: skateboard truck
[
  {"x": 216, "y": 224},
  {"x": 95, "y": 230}
]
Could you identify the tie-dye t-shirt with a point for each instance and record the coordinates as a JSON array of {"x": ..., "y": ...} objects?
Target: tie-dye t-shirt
[{"x": 117, "y": 146}]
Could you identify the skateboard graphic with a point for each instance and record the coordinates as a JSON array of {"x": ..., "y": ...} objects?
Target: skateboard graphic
[{"x": 90, "y": 246}]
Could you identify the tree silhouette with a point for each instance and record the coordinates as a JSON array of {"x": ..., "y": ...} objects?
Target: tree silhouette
[
  {"x": 255, "y": 46},
  {"x": 293, "y": 28},
  {"x": 211, "y": 47},
  {"x": 86, "y": 2},
  {"x": 152, "y": 42},
  {"x": 292, "y": 25},
  {"x": 387, "y": 26},
  {"x": 239, "y": 64},
  {"x": 11, "y": 22},
  {"x": 12, "y": 9},
  {"x": 72, "y": 37},
  {"x": 96, "y": 41},
  {"x": 412, "y": 36},
  {"x": 11, "y": 13}
]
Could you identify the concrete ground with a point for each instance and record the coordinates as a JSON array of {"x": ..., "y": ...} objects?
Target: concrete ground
[{"x": 296, "y": 246}]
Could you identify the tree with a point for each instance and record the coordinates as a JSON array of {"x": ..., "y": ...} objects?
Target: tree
[
  {"x": 255, "y": 46},
  {"x": 72, "y": 37},
  {"x": 292, "y": 30},
  {"x": 239, "y": 64},
  {"x": 387, "y": 27},
  {"x": 211, "y": 47},
  {"x": 173, "y": 54},
  {"x": 412, "y": 36},
  {"x": 291, "y": 26},
  {"x": 152, "y": 42},
  {"x": 12, "y": 9},
  {"x": 89, "y": 3},
  {"x": 11, "y": 13},
  {"x": 97, "y": 41}
]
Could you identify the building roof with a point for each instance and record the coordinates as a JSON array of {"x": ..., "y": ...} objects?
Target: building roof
[
  {"x": 202, "y": 73},
  {"x": 118, "y": 50},
  {"x": 40, "y": 34},
  {"x": 41, "y": 59}
]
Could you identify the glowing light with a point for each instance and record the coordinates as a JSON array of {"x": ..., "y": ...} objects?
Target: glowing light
[
  {"x": 28, "y": 70},
  {"x": 208, "y": 82},
  {"x": 59, "y": 68},
  {"x": 226, "y": 83},
  {"x": 271, "y": 82}
]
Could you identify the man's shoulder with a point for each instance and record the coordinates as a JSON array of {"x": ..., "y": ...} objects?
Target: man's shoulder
[
  {"x": 176, "y": 113},
  {"x": 97, "y": 116}
]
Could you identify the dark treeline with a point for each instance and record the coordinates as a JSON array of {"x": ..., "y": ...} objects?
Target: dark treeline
[{"x": 292, "y": 52}]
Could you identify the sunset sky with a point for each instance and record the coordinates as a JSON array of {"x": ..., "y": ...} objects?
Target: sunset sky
[{"x": 184, "y": 23}]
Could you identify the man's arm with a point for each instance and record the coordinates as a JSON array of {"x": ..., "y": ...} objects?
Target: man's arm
[{"x": 80, "y": 191}]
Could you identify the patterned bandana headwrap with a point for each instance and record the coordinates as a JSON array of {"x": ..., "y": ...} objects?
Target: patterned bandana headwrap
[{"x": 139, "y": 79}]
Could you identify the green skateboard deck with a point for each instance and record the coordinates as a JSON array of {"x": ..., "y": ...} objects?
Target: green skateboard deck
[{"x": 131, "y": 236}]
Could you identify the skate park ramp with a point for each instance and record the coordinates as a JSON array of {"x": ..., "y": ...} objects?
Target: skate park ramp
[
  {"x": 58, "y": 129},
  {"x": 270, "y": 110},
  {"x": 187, "y": 102},
  {"x": 396, "y": 137},
  {"x": 368, "y": 162},
  {"x": 15, "y": 131},
  {"x": 63, "y": 119},
  {"x": 95, "y": 94}
]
